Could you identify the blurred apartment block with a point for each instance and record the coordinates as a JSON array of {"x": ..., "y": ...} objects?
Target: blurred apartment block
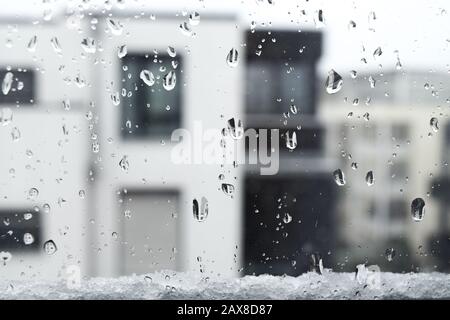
[{"x": 77, "y": 113}]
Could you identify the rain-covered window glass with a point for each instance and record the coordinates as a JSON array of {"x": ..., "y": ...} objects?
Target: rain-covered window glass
[
  {"x": 224, "y": 149},
  {"x": 149, "y": 110}
]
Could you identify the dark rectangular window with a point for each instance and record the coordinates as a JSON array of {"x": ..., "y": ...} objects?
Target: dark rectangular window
[
  {"x": 22, "y": 86},
  {"x": 281, "y": 71},
  {"x": 150, "y": 111},
  {"x": 273, "y": 86},
  {"x": 16, "y": 227},
  {"x": 287, "y": 218}
]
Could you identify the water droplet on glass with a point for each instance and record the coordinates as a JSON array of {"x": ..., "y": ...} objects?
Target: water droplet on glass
[
  {"x": 66, "y": 104},
  {"x": 194, "y": 18},
  {"x": 434, "y": 124},
  {"x": 287, "y": 218},
  {"x": 46, "y": 208},
  {"x": 31, "y": 46},
  {"x": 50, "y": 247},
  {"x": 389, "y": 254},
  {"x": 201, "y": 210},
  {"x": 147, "y": 77},
  {"x": 366, "y": 116},
  {"x": 15, "y": 134},
  {"x": 82, "y": 194},
  {"x": 7, "y": 82},
  {"x": 369, "y": 178},
  {"x": 232, "y": 58},
  {"x": 55, "y": 44},
  {"x": 122, "y": 51},
  {"x": 186, "y": 29},
  {"x": 291, "y": 140},
  {"x": 372, "y": 82},
  {"x": 235, "y": 128},
  {"x": 33, "y": 193},
  {"x": 114, "y": 26},
  {"x": 339, "y": 177},
  {"x": 28, "y": 238},
  {"x": 124, "y": 164},
  {"x": 5, "y": 256},
  {"x": 334, "y": 82},
  {"x": 171, "y": 52},
  {"x": 417, "y": 209},
  {"x": 228, "y": 189},
  {"x": 115, "y": 98},
  {"x": 170, "y": 80},
  {"x": 351, "y": 24},
  {"x": 95, "y": 147},
  {"x": 318, "y": 19},
  {"x": 378, "y": 52},
  {"x": 316, "y": 264},
  {"x": 354, "y": 165},
  {"x": 293, "y": 109},
  {"x": 6, "y": 116},
  {"x": 89, "y": 45}
]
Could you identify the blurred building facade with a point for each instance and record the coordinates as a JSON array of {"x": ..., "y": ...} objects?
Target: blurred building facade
[{"x": 83, "y": 130}]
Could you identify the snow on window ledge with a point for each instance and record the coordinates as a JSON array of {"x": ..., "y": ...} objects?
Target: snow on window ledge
[{"x": 170, "y": 285}]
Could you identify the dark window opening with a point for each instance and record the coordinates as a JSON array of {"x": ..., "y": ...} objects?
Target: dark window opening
[
  {"x": 16, "y": 226},
  {"x": 275, "y": 245},
  {"x": 150, "y": 111},
  {"x": 21, "y": 89}
]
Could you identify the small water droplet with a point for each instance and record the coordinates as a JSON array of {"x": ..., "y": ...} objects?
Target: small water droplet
[
  {"x": 228, "y": 189},
  {"x": 28, "y": 238},
  {"x": 287, "y": 218},
  {"x": 370, "y": 180},
  {"x": 6, "y": 116},
  {"x": 378, "y": 52},
  {"x": 31, "y": 46},
  {"x": 33, "y": 193},
  {"x": 334, "y": 82},
  {"x": 171, "y": 52},
  {"x": 319, "y": 19},
  {"x": 434, "y": 124},
  {"x": 233, "y": 58},
  {"x": 186, "y": 29},
  {"x": 235, "y": 128},
  {"x": 194, "y": 18},
  {"x": 372, "y": 82},
  {"x": 89, "y": 45},
  {"x": 147, "y": 77},
  {"x": 291, "y": 140},
  {"x": 389, "y": 254},
  {"x": 170, "y": 80},
  {"x": 124, "y": 163},
  {"x": 354, "y": 165},
  {"x": 114, "y": 26},
  {"x": 316, "y": 264},
  {"x": 15, "y": 134},
  {"x": 50, "y": 247},
  {"x": 7, "y": 82},
  {"x": 201, "y": 211},
  {"x": 339, "y": 177},
  {"x": 55, "y": 44},
  {"x": 115, "y": 98},
  {"x": 122, "y": 51},
  {"x": 417, "y": 209}
]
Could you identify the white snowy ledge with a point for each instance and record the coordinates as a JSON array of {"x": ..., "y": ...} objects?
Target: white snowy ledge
[{"x": 170, "y": 285}]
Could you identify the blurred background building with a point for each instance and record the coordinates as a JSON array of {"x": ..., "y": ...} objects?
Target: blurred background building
[{"x": 85, "y": 155}]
